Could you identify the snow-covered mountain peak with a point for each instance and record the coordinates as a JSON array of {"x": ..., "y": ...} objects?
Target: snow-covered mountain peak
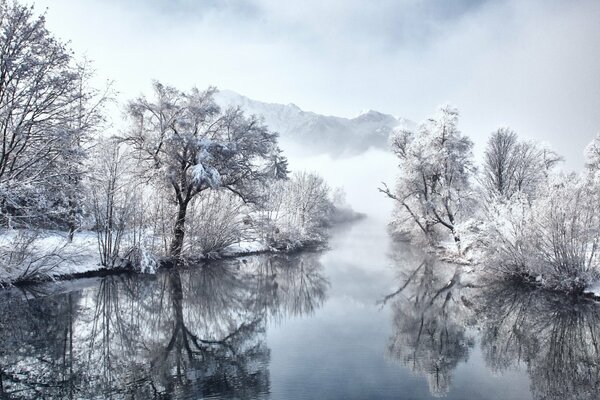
[
  {"x": 368, "y": 113},
  {"x": 320, "y": 133},
  {"x": 293, "y": 106}
]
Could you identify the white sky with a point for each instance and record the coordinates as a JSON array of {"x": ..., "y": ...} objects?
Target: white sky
[{"x": 533, "y": 65}]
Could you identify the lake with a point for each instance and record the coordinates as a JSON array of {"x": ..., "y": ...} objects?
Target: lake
[{"x": 365, "y": 319}]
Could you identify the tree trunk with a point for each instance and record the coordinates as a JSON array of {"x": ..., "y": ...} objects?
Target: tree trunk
[
  {"x": 178, "y": 231},
  {"x": 72, "y": 228},
  {"x": 457, "y": 241},
  {"x": 72, "y": 218}
]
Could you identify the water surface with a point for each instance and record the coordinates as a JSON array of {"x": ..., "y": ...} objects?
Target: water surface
[{"x": 367, "y": 319}]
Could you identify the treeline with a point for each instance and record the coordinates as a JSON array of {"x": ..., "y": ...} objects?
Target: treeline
[
  {"x": 517, "y": 213},
  {"x": 184, "y": 178}
]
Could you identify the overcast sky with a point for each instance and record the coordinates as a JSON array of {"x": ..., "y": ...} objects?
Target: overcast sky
[{"x": 532, "y": 65}]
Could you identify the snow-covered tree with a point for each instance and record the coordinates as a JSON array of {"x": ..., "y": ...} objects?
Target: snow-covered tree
[
  {"x": 500, "y": 162},
  {"x": 87, "y": 121},
  {"x": 309, "y": 199},
  {"x": 189, "y": 145},
  {"x": 45, "y": 113},
  {"x": 434, "y": 186}
]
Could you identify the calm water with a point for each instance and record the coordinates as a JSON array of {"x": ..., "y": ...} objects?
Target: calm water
[{"x": 364, "y": 320}]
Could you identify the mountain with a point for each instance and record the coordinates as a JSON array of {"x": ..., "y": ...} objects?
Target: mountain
[{"x": 315, "y": 133}]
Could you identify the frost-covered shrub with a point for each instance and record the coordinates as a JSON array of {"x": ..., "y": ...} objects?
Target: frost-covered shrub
[
  {"x": 553, "y": 239},
  {"x": 566, "y": 234},
  {"x": 142, "y": 260},
  {"x": 25, "y": 256},
  {"x": 342, "y": 212},
  {"x": 504, "y": 236}
]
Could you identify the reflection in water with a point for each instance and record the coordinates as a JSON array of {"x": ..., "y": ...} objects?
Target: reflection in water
[
  {"x": 188, "y": 333},
  {"x": 429, "y": 322},
  {"x": 36, "y": 355},
  {"x": 555, "y": 337}
]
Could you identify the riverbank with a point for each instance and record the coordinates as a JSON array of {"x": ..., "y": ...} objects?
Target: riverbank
[{"x": 29, "y": 257}]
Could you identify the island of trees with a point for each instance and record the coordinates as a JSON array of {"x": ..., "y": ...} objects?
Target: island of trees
[{"x": 516, "y": 215}]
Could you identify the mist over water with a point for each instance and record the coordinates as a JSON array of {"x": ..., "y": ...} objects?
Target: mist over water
[{"x": 359, "y": 175}]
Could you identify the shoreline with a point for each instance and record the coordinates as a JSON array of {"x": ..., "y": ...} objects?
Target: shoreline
[{"x": 98, "y": 271}]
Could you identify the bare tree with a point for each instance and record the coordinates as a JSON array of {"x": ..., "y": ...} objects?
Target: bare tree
[
  {"x": 112, "y": 199},
  {"x": 192, "y": 146},
  {"x": 514, "y": 166},
  {"x": 500, "y": 163}
]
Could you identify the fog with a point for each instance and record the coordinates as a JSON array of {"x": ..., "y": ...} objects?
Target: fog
[{"x": 359, "y": 175}]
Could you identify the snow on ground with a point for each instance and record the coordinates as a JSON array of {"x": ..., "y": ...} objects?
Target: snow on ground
[{"x": 48, "y": 255}]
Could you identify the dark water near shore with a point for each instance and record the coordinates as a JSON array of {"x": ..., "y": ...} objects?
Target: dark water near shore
[{"x": 363, "y": 320}]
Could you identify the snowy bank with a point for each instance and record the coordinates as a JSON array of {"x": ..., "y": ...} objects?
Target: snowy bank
[
  {"x": 36, "y": 256},
  {"x": 27, "y": 255}
]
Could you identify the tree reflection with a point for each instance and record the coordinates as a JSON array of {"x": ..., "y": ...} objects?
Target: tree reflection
[
  {"x": 554, "y": 336},
  {"x": 27, "y": 339},
  {"x": 430, "y": 316},
  {"x": 186, "y": 332},
  {"x": 293, "y": 285}
]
